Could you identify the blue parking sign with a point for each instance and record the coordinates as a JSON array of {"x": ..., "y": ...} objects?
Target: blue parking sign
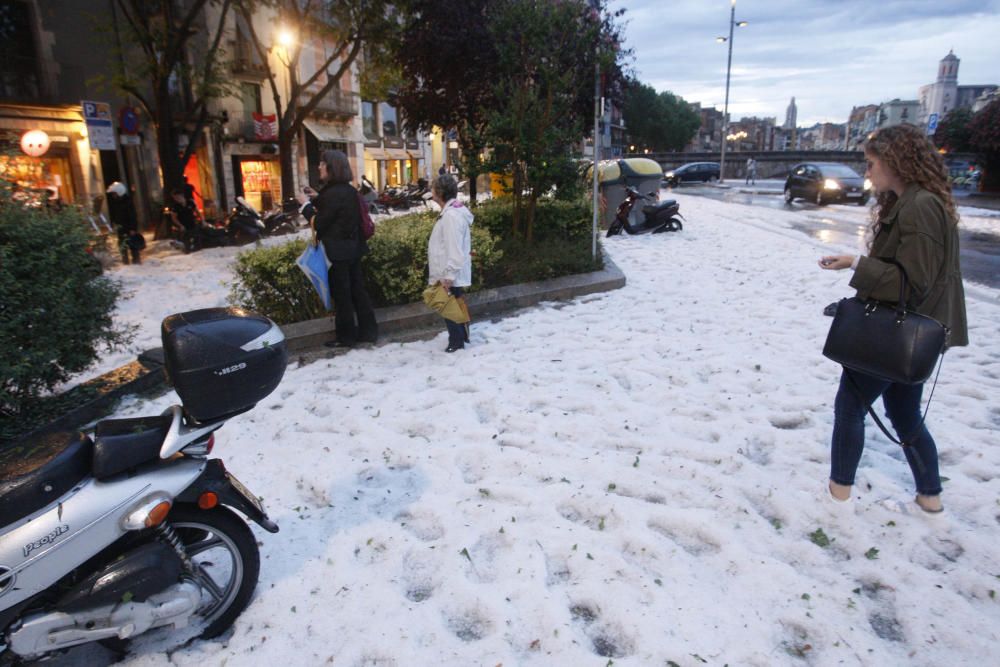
[{"x": 932, "y": 121}]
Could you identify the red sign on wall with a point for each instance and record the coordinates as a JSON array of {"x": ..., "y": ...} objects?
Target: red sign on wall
[{"x": 265, "y": 128}]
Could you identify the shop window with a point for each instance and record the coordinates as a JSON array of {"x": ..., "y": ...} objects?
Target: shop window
[
  {"x": 261, "y": 181},
  {"x": 39, "y": 178}
]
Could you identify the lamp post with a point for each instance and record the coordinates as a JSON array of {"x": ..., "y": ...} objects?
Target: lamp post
[{"x": 729, "y": 66}]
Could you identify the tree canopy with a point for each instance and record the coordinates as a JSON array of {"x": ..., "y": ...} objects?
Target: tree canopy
[
  {"x": 657, "y": 121},
  {"x": 953, "y": 133}
]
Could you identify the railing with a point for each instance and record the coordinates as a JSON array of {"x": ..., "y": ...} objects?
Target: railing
[
  {"x": 240, "y": 126},
  {"x": 337, "y": 102},
  {"x": 246, "y": 60}
]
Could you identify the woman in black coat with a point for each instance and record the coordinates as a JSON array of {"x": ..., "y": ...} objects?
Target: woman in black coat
[{"x": 338, "y": 226}]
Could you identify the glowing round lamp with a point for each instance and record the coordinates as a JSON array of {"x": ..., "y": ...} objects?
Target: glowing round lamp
[{"x": 35, "y": 143}]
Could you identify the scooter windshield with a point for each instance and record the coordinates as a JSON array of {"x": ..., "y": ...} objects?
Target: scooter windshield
[{"x": 247, "y": 205}]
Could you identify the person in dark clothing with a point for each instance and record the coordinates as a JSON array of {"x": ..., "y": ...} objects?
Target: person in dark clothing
[
  {"x": 337, "y": 223},
  {"x": 185, "y": 215},
  {"x": 123, "y": 217}
]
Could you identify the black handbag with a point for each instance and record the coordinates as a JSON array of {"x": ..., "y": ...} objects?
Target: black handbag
[{"x": 887, "y": 341}]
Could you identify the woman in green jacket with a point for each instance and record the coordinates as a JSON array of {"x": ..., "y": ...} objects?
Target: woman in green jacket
[{"x": 914, "y": 222}]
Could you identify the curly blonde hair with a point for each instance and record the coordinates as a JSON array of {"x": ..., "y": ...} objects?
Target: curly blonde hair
[{"x": 907, "y": 151}]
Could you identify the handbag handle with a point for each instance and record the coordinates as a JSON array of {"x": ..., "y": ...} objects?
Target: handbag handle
[{"x": 904, "y": 282}]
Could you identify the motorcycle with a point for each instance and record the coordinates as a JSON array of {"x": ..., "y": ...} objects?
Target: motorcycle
[
  {"x": 656, "y": 218},
  {"x": 105, "y": 538}
]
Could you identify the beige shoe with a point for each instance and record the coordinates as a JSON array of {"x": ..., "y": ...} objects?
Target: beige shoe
[
  {"x": 929, "y": 504},
  {"x": 839, "y": 492}
]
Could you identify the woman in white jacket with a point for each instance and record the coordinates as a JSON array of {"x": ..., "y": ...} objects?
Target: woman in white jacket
[{"x": 449, "y": 251}]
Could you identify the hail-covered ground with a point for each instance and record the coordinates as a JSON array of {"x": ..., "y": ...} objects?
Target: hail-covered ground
[{"x": 628, "y": 478}]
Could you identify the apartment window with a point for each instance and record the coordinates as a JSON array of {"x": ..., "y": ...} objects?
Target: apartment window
[
  {"x": 250, "y": 97},
  {"x": 18, "y": 72},
  {"x": 390, "y": 123},
  {"x": 368, "y": 120}
]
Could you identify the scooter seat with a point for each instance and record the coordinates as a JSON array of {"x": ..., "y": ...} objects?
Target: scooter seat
[
  {"x": 662, "y": 206},
  {"x": 34, "y": 472},
  {"x": 121, "y": 444}
]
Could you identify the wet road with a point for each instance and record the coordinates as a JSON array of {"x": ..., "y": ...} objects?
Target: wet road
[{"x": 839, "y": 224}]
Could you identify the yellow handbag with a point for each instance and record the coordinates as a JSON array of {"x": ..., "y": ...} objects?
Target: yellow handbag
[{"x": 438, "y": 299}]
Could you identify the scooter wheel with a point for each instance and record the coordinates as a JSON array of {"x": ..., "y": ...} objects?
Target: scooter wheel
[
  {"x": 676, "y": 225},
  {"x": 226, "y": 561}
]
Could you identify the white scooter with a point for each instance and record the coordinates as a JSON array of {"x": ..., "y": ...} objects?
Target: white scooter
[{"x": 105, "y": 538}]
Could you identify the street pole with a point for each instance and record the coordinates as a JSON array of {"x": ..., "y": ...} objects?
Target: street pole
[
  {"x": 597, "y": 118},
  {"x": 725, "y": 109}
]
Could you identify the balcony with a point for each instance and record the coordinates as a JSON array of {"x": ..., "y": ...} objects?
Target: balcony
[
  {"x": 246, "y": 61},
  {"x": 241, "y": 127},
  {"x": 337, "y": 104}
]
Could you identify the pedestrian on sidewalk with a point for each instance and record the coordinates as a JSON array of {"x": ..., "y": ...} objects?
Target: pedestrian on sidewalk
[
  {"x": 914, "y": 223},
  {"x": 337, "y": 223},
  {"x": 121, "y": 210},
  {"x": 449, "y": 252},
  {"x": 751, "y": 171}
]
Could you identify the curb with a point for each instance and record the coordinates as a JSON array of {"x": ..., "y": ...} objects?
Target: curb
[{"x": 147, "y": 372}]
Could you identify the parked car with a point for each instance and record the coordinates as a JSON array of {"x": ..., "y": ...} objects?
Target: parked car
[
  {"x": 705, "y": 172},
  {"x": 825, "y": 183}
]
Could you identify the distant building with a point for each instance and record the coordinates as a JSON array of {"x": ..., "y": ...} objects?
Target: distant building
[
  {"x": 862, "y": 122},
  {"x": 945, "y": 94},
  {"x": 985, "y": 99},
  {"x": 709, "y": 135},
  {"x": 752, "y": 134},
  {"x": 791, "y": 114},
  {"x": 822, "y": 137},
  {"x": 898, "y": 112}
]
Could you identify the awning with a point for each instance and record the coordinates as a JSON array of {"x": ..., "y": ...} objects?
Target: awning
[
  {"x": 375, "y": 154},
  {"x": 397, "y": 154},
  {"x": 324, "y": 131},
  {"x": 416, "y": 155}
]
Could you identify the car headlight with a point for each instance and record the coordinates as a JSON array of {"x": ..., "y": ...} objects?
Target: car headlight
[
  {"x": 669, "y": 174},
  {"x": 830, "y": 184},
  {"x": 868, "y": 184}
]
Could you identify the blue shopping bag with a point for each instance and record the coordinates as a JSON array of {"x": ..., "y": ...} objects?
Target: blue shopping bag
[{"x": 315, "y": 265}]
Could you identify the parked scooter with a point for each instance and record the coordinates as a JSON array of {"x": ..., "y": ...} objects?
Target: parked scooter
[
  {"x": 244, "y": 223},
  {"x": 104, "y": 538},
  {"x": 655, "y": 218}
]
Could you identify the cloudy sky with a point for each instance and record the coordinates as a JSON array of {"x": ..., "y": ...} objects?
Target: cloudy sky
[{"x": 830, "y": 55}]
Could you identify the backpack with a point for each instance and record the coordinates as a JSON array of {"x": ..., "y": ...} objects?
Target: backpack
[{"x": 367, "y": 226}]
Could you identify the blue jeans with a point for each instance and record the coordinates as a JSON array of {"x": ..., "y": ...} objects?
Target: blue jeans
[
  {"x": 456, "y": 331},
  {"x": 902, "y": 405}
]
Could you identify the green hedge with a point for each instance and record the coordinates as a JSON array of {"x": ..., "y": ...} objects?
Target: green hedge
[
  {"x": 268, "y": 282},
  {"x": 55, "y": 307}
]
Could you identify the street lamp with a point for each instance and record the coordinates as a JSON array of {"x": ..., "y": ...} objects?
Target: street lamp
[{"x": 729, "y": 66}]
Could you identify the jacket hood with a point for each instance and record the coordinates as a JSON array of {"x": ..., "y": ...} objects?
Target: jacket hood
[{"x": 455, "y": 207}]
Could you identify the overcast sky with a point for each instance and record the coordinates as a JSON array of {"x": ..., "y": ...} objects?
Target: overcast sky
[{"x": 830, "y": 55}]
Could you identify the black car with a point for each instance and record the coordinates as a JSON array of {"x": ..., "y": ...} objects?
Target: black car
[
  {"x": 825, "y": 183},
  {"x": 706, "y": 172}
]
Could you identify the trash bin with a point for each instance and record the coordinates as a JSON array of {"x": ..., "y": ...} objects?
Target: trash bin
[{"x": 614, "y": 176}]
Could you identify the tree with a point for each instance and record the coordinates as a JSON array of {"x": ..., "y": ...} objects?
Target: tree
[
  {"x": 984, "y": 139},
  {"x": 657, "y": 121},
  {"x": 433, "y": 90},
  {"x": 547, "y": 53},
  {"x": 953, "y": 131},
  {"x": 347, "y": 29},
  {"x": 172, "y": 75}
]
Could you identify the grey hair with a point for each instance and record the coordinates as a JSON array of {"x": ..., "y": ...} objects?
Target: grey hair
[
  {"x": 445, "y": 186},
  {"x": 338, "y": 167}
]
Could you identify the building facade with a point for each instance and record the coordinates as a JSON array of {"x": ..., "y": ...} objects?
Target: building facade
[{"x": 945, "y": 93}]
